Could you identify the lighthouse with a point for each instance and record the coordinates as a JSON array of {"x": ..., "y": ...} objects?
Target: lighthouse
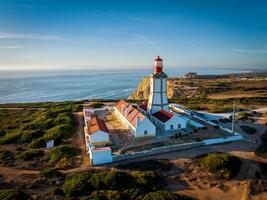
[{"x": 158, "y": 90}]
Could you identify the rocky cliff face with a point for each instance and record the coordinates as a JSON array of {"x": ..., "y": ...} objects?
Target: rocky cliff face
[{"x": 175, "y": 88}]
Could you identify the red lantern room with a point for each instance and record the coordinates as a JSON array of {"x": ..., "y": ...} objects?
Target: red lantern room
[{"x": 158, "y": 65}]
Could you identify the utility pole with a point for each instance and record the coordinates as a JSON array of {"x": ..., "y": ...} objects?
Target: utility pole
[{"x": 233, "y": 120}]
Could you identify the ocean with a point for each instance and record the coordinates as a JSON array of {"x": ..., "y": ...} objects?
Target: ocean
[{"x": 43, "y": 86}]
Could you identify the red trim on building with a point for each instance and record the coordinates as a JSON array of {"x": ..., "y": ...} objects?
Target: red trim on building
[
  {"x": 158, "y": 59},
  {"x": 163, "y": 115}
]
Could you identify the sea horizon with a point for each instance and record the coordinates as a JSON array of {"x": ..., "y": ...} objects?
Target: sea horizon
[{"x": 27, "y": 86}]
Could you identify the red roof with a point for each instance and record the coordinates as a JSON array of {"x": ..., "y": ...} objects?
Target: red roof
[
  {"x": 129, "y": 112},
  {"x": 163, "y": 115},
  {"x": 158, "y": 59},
  {"x": 96, "y": 124},
  {"x": 143, "y": 106}
]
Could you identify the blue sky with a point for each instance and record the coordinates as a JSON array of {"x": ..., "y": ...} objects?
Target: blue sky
[{"x": 80, "y": 34}]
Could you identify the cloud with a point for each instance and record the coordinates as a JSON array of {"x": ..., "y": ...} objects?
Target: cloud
[
  {"x": 143, "y": 40},
  {"x": 11, "y": 47},
  {"x": 249, "y": 50},
  {"x": 28, "y": 36}
]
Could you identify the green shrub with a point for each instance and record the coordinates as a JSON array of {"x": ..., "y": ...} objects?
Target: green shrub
[
  {"x": 6, "y": 158},
  {"x": 11, "y": 138},
  {"x": 115, "y": 179},
  {"x": 13, "y": 194},
  {"x": 29, "y": 135},
  {"x": 107, "y": 195},
  {"x": 243, "y": 115},
  {"x": 97, "y": 105},
  {"x": 63, "y": 119},
  {"x": 30, "y": 154},
  {"x": 222, "y": 165},
  {"x": 62, "y": 151},
  {"x": 248, "y": 129},
  {"x": 147, "y": 179},
  {"x": 77, "y": 184},
  {"x": 38, "y": 143},
  {"x": 2, "y": 133},
  {"x": 164, "y": 195},
  {"x": 58, "y": 133},
  {"x": 50, "y": 173}
]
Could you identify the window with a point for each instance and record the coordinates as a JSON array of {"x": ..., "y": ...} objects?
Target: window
[
  {"x": 171, "y": 126},
  {"x": 179, "y": 125},
  {"x": 145, "y": 132}
]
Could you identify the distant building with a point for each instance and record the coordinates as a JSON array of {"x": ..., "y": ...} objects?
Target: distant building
[
  {"x": 98, "y": 133},
  {"x": 138, "y": 123},
  {"x": 190, "y": 75}
]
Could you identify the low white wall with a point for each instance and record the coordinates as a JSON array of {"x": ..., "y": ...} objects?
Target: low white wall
[{"x": 223, "y": 140}]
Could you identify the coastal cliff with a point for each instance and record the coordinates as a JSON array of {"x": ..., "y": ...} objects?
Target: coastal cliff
[{"x": 175, "y": 88}]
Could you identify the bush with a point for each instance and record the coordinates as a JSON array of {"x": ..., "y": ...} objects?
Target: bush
[
  {"x": 2, "y": 133},
  {"x": 164, "y": 195},
  {"x": 38, "y": 143},
  {"x": 6, "y": 158},
  {"x": 115, "y": 179},
  {"x": 50, "y": 173},
  {"x": 147, "y": 179},
  {"x": 243, "y": 115},
  {"x": 77, "y": 184},
  {"x": 222, "y": 165},
  {"x": 29, "y": 135},
  {"x": 11, "y": 138},
  {"x": 60, "y": 152},
  {"x": 106, "y": 195},
  {"x": 97, "y": 105},
  {"x": 58, "y": 133},
  {"x": 30, "y": 154},
  {"x": 258, "y": 186},
  {"x": 13, "y": 194},
  {"x": 248, "y": 129}
]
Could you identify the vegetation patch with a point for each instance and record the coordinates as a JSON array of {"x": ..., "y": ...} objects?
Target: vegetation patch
[
  {"x": 165, "y": 195},
  {"x": 97, "y": 105},
  {"x": 261, "y": 150},
  {"x": 13, "y": 194},
  {"x": 112, "y": 184},
  {"x": 248, "y": 129},
  {"x": 258, "y": 186},
  {"x": 30, "y": 154},
  {"x": 62, "y": 155},
  {"x": 159, "y": 164},
  {"x": 221, "y": 165},
  {"x": 28, "y": 125},
  {"x": 6, "y": 158},
  {"x": 50, "y": 173},
  {"x": 244, "y": 115}
]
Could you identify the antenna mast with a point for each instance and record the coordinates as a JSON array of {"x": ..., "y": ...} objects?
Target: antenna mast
[{"x": 233, "y": 120}]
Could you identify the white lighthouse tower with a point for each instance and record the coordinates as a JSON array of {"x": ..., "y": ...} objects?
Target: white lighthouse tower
[{"x": 158, "y": 90}]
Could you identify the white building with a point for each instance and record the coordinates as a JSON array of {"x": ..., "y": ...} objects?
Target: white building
[
  {"x": 169, "y": 121},
  {"x": 138, "y": 123},
  {"x": 98, "y": 133},
  {"x": 100, "y": 156},
  {"x": 158, "y": 89},
  {"x": 157, "y": 108}
]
